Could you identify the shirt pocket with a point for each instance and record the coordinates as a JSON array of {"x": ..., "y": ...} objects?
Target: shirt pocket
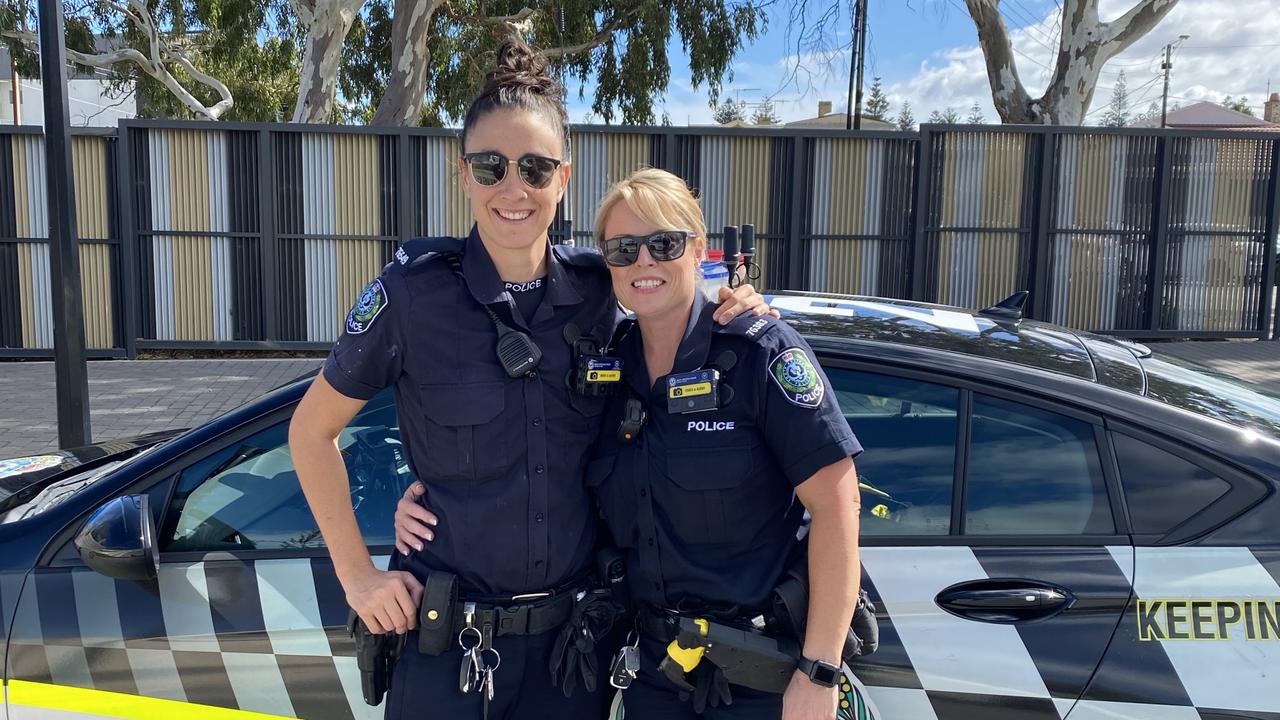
[
  {"x": 706, "y": 494},
  {"x": 464, "y": 428}
]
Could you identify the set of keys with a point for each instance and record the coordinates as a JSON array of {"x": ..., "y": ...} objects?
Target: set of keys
[
  {"x": 479, "y": 658},
  {"x": 627, "y": 663}
]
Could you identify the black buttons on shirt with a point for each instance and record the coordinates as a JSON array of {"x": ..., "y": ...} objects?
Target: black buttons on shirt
[
  {"x": 539, "y": 517},
  {"x": 538, "y": 469},
  {"x": 537, "y": 422}
]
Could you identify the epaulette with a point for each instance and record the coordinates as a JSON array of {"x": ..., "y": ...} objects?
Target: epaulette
[
  {"x": 587, "y": 257},
  {"x": 749, "y": 326},
  {"x": 419, "y": 251}
]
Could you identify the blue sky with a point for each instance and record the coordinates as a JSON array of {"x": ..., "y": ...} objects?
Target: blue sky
[{"x": 926, "y": 52}]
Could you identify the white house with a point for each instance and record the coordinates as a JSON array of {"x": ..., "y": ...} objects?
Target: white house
[{"x": 89, "y": 98}]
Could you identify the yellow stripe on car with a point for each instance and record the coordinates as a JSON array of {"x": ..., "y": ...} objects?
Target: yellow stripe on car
[{"x": 116, "y": 705}]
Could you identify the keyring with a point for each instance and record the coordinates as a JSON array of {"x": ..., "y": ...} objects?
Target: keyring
[
  {"x": 487, "y": 667},
  {"x": 463, "y": 633}
]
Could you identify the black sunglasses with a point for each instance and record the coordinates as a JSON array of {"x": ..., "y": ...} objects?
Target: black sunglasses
[
  {"x": 490, "y": 168},
  {"x": 663, "y": 245}
]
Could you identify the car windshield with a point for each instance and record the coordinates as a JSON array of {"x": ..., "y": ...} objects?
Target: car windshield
[
  {"x": 1208, "y": 392},
  {"x": 58, "y": 492}
]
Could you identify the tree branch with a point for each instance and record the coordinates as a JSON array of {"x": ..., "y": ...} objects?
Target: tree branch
[
  {"x": 601, "y": 37},
  {"x": 1007, "y": 90},
  {"x": 1126, "y": 29},
  {"x": 506, "y": 23},
  {"x": 154, "y": 65}
]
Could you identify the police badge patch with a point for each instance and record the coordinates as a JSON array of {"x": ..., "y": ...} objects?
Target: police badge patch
[
  {"x": 798, "y": 379},
  {"x": 372, "y": 302}
]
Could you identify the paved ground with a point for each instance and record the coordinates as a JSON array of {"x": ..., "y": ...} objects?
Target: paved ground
[{"x": 131, "y": 397}]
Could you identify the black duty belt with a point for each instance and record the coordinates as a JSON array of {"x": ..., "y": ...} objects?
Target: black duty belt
[
  {"x": 518, "y": 615},
  {"x": 663, "y": 625}
]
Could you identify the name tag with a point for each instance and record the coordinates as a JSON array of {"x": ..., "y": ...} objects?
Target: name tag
[
  {"x": 692, "y": 392},
  {"x": 604, "y": 370}
]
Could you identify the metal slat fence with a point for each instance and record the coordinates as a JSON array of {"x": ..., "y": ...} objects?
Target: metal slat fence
[{"x": 234, "y": 235}]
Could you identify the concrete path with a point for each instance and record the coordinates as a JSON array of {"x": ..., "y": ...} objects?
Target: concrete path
[{"x": 132, "y": 397}]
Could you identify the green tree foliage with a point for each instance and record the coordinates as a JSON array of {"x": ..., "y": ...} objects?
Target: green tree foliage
[
  {"x": 1240, "y": 104},
  {"x": 254, "y": 47},
  {"x": 1117, "y": 114},
  {"x": 730, "y": 111},
  {"x": 949, "y": 116},
  {"x": 250, "y": 45},
  {"x": 975, "y": 116},
  {"x": 765, "y": 114},
  {"x": 906, "y": 121},
  {"x": 877, "y": 106}
]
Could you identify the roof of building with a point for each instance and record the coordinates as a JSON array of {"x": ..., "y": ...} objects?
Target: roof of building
[
  {"x": 836, "y": 120},
  {"x": 1209, "y": 115}
]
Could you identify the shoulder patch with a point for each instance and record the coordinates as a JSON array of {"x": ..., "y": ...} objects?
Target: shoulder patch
[
  {"x": 795, "y": 375},
  {"x": 370, "y": 304}
]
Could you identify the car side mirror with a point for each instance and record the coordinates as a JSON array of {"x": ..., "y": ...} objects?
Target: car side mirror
[{"x": 119, "y": 540}]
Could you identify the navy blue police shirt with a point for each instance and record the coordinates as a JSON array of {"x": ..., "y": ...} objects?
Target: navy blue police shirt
[
  {"x": 502, "y": 458},
  {"x": 704, "y": 503}
]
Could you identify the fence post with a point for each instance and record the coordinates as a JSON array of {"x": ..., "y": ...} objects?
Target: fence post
[
  {"x": 126, "y": 204},
  {"x": 404, "y": 198},
  {"x": 795, "y": 224},
  {"x": 1269, "y": 258},
  {"x": 267, "y": 226},
  {"x": 1041, "y": 226},
  {"x": 669, "y": 150},
  {"x": 920, "y": 203},
  {"x": 1160, "y": 233}
]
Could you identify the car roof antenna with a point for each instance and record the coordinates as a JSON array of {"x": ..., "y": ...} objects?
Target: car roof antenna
[{"x": 1008, "y": 309}]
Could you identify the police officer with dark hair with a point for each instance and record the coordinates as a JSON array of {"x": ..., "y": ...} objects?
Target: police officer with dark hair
[{"x": 479, "y": 337}]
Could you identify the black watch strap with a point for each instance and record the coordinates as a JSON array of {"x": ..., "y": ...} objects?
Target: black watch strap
[{"x": 821, "y": 673}]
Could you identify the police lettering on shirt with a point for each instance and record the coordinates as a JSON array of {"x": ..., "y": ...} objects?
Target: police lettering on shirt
[{"x": 530, "y": 286}]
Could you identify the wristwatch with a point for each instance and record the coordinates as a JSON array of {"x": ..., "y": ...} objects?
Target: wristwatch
[{"x": 821, "y": 673}]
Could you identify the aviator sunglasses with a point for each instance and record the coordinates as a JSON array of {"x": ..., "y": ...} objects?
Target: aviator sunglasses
[
  {"x": 490, "y": 168},
  {"x": 663, "y": 245}
]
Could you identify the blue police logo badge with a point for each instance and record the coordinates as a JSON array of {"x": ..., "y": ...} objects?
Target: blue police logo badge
[
  {"x": 371, "y": 303},
  {"x": 798, "y": 379}
]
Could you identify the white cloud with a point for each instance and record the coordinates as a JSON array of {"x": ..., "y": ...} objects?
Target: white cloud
[{"x": 1216, "y": 61}]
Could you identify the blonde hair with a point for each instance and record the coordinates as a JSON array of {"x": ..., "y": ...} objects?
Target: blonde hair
[{"x": 660, "y": 199}]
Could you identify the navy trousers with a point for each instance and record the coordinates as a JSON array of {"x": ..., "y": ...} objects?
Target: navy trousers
[{"x": 425, "y": 687}]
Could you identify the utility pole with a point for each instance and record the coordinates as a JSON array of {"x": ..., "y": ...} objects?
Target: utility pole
[
  {"x": 1167, "y": 66},
  {"x": 862, "y": 60},
  {"x": 854, "y": 57},
  {"x": 64, "y": 252}
]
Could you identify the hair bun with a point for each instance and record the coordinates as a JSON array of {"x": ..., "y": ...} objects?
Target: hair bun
[{"x": 519, "y": 65}]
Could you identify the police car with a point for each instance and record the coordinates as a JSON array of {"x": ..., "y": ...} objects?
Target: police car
[{"x": 1057, "y": 525}]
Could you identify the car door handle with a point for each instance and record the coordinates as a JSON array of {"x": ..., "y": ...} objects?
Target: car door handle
[{"x": 1004, "y": 600}]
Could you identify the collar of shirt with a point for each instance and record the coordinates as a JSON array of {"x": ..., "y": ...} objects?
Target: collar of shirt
[
  {"x": 487, "y": 288},
  {"x": 690, "y": 355}
]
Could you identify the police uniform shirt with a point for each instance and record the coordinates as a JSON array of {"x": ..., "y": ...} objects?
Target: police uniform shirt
[
  {"x": 502, "y": 458},
  {"x": 703, "y": 503}
]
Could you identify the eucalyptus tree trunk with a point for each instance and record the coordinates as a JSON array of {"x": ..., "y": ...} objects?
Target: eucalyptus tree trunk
[
  {"x": 327, "y": 23},
  {"x": 401, "y": 103},
  {"x": 1087, "y": 44}
]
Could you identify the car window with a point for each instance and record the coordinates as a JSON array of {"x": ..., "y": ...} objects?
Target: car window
[
  {"x": 1033, "y": 472},
  {"x": 247, "y": 497},
  {"x": 1161, "y": 489},
  {"x": 907, "y": 469}
]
